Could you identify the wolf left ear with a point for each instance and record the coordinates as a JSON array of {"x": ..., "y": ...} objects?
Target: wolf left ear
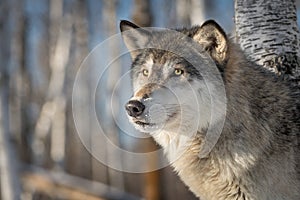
[
  {"x": 214, "y": 40},
  {"x": 135, "y": 38}
]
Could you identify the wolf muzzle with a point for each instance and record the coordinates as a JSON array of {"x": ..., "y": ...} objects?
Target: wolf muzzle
[{"x": 134, "y": 108}]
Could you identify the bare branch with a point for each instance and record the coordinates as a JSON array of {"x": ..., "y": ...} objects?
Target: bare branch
[{"x": 59, "y": 184}]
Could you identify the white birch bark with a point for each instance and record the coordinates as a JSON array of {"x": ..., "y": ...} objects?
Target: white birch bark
[{"x": 267, "y": 31}]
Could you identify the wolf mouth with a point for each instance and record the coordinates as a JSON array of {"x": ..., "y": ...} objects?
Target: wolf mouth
[
  {"x": 144, "y": 123},
  {"x": 148, "y": 124}
]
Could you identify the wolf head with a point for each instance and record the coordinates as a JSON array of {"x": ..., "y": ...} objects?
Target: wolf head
[{"x": 173, "y": 77}]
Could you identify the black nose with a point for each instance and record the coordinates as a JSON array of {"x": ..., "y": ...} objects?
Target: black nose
[{"x": 134, "y": 108}]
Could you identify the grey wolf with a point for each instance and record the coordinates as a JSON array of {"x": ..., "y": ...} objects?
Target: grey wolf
[{"x": 256, "y": 156}]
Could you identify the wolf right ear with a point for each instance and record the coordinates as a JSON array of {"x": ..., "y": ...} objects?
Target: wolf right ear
[
  {"x": 214, "y": 40},
  {"x": 135, "y": 38}
]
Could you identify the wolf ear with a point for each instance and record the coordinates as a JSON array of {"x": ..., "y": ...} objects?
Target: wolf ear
[
  {"x": 214, "y": 40},
  {"x": 135, "y": 38}
]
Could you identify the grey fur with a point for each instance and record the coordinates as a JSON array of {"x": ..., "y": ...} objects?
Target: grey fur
[{"x": 257, "y": 156}]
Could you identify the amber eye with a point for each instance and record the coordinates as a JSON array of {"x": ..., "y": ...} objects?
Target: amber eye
[
  {"x": 178, "y": 72},
  {"x": 145, "y": 72}
]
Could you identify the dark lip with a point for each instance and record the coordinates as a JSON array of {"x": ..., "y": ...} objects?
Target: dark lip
[
  {"x": 144, "y": 123},
  {"x": 141, "y": 123}
]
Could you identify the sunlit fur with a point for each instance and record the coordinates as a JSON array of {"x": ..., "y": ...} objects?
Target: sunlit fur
[{"x": 257, "y": 155}]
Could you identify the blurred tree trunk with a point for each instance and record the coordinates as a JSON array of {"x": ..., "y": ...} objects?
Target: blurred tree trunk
[
  {"x": 15, "y": 69},
  {"x": 10, "y": 185},
  {"x": 183, "y": 10},
  {"x": 77, "y": 159},
  {"x": 197, "y": 12},
  {"x": 52, "y": 117},
  {"x": 190, "y": 12},
  {"x": 95, "y": 18},
  {"x": 36, "y": 63},
  {"x": 60, "y": 45},
  {"x": 116, "y": 178},
  {"x": 142, "y": 14},
  {"x": 10, "y": 62},
  {"x": 267, "y": 31}
]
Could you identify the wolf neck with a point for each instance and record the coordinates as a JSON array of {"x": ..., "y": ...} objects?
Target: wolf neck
[
  {"x": 175, "y": 145},
  {"x": 205, "y": 176},
  {"x": 183, "y": 154}
]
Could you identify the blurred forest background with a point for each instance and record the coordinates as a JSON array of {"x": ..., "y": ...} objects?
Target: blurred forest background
[{"x": 43, "y": 43}]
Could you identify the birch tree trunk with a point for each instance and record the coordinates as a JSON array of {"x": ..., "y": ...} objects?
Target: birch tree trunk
[{"x": 267, "y": 31}]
